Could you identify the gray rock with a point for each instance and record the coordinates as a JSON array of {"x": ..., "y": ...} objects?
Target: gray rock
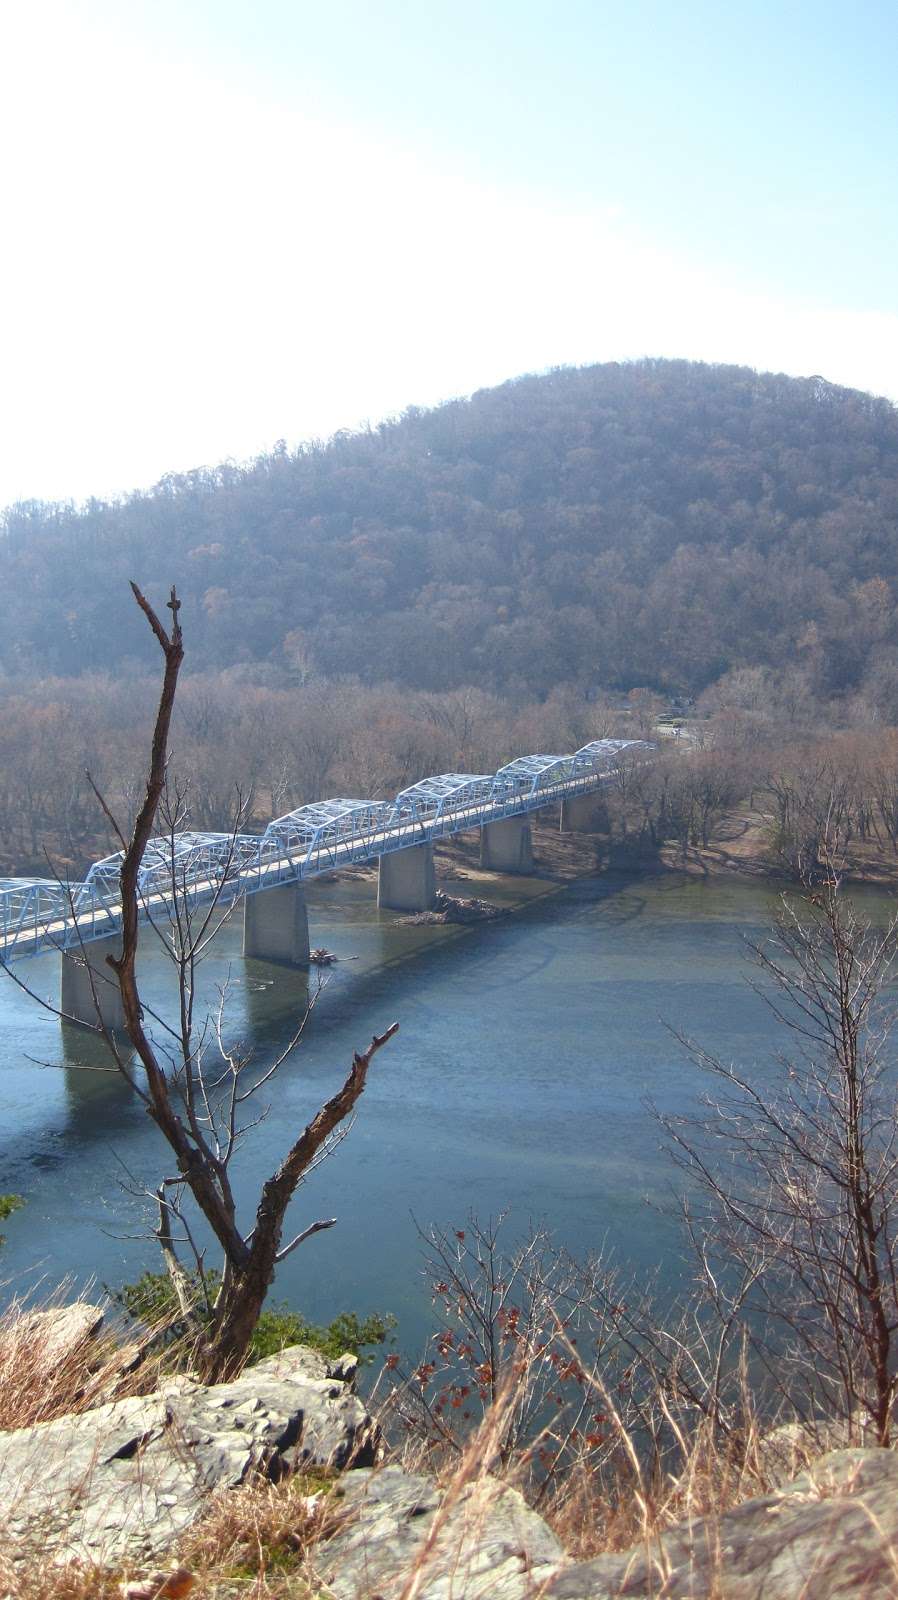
[
  {"x": 490, "y": 1542},
  {"x": 125, "y": 1479},
  {"x": 831, "y": 1533}
]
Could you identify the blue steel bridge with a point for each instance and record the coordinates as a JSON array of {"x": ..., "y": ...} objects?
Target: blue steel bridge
[{"x": 41, "y": 914}]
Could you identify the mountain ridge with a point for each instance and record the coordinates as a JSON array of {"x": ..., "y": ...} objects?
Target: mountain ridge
[{"x": 655, "y": 522}]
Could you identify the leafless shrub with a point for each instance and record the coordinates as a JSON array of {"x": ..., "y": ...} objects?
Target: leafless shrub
[
  {"x": 618, "y": 1415},
  {"x": 501, "y": 1316},
  {"x": 795, "y": 1224}
]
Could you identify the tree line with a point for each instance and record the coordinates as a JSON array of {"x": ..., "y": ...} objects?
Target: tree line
[
  {"x": 277, "y": 748},
  {"x": 753, "y": 742}
]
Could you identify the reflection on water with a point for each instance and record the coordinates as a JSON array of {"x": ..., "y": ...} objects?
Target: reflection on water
[{"x": 519, "y": 1079}]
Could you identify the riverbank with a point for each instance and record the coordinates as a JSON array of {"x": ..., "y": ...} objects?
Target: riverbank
[{"x": 740, "y": 848}]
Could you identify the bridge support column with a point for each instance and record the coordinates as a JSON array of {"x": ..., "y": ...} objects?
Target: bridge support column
[
  {"x": 276, "y": 925},
  {"x": 76, "y": 1000},
  {"x": 405, "y": 879},
  {"x": 506, "y": 845},
  {"x": 583, "y": 813}
]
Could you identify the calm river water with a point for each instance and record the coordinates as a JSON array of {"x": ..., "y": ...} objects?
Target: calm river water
[{"x": 519, "y": 1079}]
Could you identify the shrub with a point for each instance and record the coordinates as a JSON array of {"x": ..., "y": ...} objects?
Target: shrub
[
  {"x": 151, "y": 1299},
  {"x": 8, "y": 1204}
]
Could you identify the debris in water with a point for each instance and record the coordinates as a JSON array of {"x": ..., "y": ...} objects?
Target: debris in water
[{"x": 447, "y": 909}]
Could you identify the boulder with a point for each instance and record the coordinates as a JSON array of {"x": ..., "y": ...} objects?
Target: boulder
[
  {"x": 485, "y": 1543},
  {"x": 56, "y": 1333},
  {"x": 45, "y": 1342},
  {"x": 122, "y": 1481},
  {"x": 789, "y": 1448}
]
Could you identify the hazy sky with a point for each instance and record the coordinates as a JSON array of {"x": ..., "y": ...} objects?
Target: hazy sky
[{"x": 226, "y": 223}]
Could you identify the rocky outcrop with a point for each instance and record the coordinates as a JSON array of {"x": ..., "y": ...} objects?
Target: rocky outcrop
[
  {"x": 122, "y": 1481},
  {"x": 830, "y": 1533},
  {"x": 118, "y": 1484}
]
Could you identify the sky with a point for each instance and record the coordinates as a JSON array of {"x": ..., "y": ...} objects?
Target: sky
[{"x": 226, "y": 223}]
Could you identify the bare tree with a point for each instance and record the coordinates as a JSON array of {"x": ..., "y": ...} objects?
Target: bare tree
[
  {"x": 195, "y": 1089},
  {"x": 798, "y": 1179},
  {"x": 813, "y": 815}
]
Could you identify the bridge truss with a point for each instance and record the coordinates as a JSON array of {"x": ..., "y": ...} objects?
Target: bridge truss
[{"x": 38, "y": 914}]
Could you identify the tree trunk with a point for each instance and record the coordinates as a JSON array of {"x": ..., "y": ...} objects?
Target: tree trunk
[{"x": 223, "y": 1353}]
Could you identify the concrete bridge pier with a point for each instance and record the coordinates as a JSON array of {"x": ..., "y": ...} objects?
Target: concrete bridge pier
[
  {"x": 276, "y": 925},
  {"x": 506, "y": 845},
  {"x": 405, "y": 879},
  {"x": 583, "y": 813},
  {"x": 76, "y": 998}
]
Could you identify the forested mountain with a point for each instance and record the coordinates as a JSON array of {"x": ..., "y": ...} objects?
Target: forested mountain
[{"x": 655, "y": 523}]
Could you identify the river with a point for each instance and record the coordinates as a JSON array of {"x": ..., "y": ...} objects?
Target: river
[{"x": 528, "y": 1050}]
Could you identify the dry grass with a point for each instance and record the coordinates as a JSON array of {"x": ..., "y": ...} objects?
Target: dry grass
[
  {"x": 40, "y": 1582},
  {"x": 43, "y": 1375},
  {"x": 626, "y": 1501},
  {"x": 594, "y": 1510},
  {"x": 630, "y": 1491},
  {"x": 620, "y": 1504},
  {"x": 251, "y": 1544},
  {"x": 256, "y": 1538}
]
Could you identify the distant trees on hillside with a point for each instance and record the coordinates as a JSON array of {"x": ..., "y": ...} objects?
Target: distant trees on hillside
[{"x": 656, "y": 524}]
